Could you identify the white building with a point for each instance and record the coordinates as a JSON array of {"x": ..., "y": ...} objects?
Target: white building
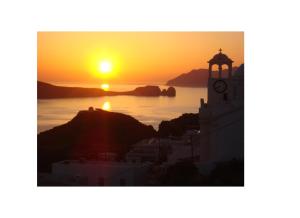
[
  {"x": 168, "y": 150},
  {"x": 99, "y": 173},
  {"x": 222, "y": 117},
  {"x": 134, "y": 171},
  {"x": 107, "y": 156},
  {"x": 145, "y": 150},
  {"x": 185, "y": 148}
]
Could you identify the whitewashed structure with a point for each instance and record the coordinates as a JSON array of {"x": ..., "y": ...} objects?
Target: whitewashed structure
[
  {"x": 106, "y": 171},
  {"x": 221, "y": 118},
  {"x": 145, "y": 150},
  {"x": 99, "y": 173},
  {"x": 166, "y": 149}
]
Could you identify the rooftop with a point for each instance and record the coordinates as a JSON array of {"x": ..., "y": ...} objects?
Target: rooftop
[
  {"x": 220, "y": 58},
  {"x": 100, "y": 163}
]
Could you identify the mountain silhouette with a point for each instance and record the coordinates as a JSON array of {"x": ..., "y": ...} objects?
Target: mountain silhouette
[
  {"x": 194, "y": 78},
  {"x": 48, "y": 91}
]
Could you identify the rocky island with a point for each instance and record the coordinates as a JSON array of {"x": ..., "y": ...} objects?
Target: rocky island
[{"x": 48, "y": 91}]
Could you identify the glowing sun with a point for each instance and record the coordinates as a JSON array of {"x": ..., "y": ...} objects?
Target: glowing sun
[{"x": 105, "y": 67}]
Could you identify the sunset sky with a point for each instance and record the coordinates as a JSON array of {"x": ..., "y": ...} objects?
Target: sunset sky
[{"x": 130, "y": 57}]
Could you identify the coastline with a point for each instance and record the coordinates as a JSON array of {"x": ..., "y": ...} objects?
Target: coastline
[
  {"x": 148, "y": 110},
  {"x": 49, "y": 91}
]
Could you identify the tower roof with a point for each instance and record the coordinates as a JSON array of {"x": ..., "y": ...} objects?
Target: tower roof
[{"x": 220, "y": 58}]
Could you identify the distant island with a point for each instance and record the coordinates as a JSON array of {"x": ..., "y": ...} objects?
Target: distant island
[
  {"x": 194, "y": 78},
  {"x": 48, "y": 91}
]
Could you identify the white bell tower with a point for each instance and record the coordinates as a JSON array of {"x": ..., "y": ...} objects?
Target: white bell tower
[
  {"x": 221, "y": 119},
  {"x": 220, "y": 88}
]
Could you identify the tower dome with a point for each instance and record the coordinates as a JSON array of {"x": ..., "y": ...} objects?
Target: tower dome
[{"x": 220, "y": 59}]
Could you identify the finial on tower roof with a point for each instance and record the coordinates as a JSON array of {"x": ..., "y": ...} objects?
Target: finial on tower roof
[{"x": 220, "y": 50}]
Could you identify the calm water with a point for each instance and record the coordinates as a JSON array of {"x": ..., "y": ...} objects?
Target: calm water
[{"x": 148, "y": 110}]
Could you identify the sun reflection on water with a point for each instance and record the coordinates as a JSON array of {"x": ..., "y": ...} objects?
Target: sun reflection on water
[
  {"x": 105, "y": 86},
  {"x": 106, "y": 106}
]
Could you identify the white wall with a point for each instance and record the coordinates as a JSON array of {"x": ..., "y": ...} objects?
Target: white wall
[{"x": 111, "y": 172}]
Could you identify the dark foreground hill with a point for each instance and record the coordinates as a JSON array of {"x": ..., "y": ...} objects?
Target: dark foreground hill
[
  {"x": 178, "y": 126},
  {"x": 194, "y": 78},
  {"x": 48, "y": 91},
  {"x": 89, "y": 133},
  {"x": 92, "y": 131}
]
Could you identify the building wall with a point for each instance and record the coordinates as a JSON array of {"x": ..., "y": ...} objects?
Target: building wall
[
  {"x": 227, "y": 136},
  {"x": 101, "y": 174},
  {"x": 215, "y": 98},
  {"x": 222, "y": 121}
]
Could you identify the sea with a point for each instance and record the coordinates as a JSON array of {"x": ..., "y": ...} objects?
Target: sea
[{"x": 148, "y": 110}]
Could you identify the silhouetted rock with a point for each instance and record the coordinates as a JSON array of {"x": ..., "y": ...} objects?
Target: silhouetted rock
[
  {"x": 89, "y": 133},
  {"x": 194, "y": 78},
  {"x": 164, "y": 92},
  {"x": 177, "y": 126},
  {"x": 147, "y": 91},
  {"x": 45, "y": 90},
  {"x": 48, "y": 91},
  {"x": 171, "y": 92}
]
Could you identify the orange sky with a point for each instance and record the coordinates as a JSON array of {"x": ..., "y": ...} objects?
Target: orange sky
[{"x": 136, "y": 57}]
